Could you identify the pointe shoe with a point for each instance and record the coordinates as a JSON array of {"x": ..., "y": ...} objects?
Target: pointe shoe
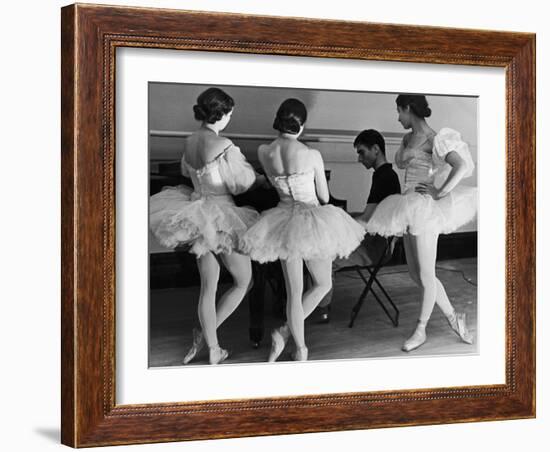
[
  {"x": 415, "y": 341},
  {"x": 458, "y": 325},
  {"x": 300, "y": 354},
  {"x": 278, "y": 343},
  {"x": 198, "y": 344},
  {"x": 218, "y": 355}
]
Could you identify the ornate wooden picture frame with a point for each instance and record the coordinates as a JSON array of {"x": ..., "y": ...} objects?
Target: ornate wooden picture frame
[{"x": 90, "y": 37}]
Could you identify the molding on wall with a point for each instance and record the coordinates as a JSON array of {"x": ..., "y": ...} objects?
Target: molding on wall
[{"x": 310, "y": 136}]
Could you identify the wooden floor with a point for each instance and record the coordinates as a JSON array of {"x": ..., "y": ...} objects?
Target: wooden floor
[{"x": 173, "y": 315}]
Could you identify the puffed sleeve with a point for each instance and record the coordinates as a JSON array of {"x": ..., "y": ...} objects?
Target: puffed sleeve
[
  {"x": 448, "y": 140},
  {"x": 237, "y": 174}
]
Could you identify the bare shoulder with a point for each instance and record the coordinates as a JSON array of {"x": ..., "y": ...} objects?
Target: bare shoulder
[
  {"x": 315, "y": 152},
  {"x": 223, "y": 142},
  {"x": 263, "y": 148},
  {"x": 217, "y": 146},
  {"x": 268, "y": 148},
  {"x": 315, "y": 155}
]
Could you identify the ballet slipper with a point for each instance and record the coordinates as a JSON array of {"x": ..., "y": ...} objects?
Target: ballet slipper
[
  {"x": 218, "y": 354},
  {"x": 300, "y": 354},
  {"x": 416, "y": 340},
  {"x": 458, "y": 324},
  {"x": 278, "y": 342},
  {"x": 198, "y": 344}
]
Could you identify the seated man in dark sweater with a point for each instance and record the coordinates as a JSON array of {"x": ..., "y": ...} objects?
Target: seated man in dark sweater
[{"x": 371, "y": 151}]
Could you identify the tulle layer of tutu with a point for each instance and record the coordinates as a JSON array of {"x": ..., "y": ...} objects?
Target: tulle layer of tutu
[
  {"x": 415, "y": 214},
  {"x": 178, "y": 216},
  {"x": 294, "y": 231}
]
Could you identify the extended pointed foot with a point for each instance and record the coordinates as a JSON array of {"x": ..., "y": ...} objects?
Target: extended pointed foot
[
  {"x": 279, "y": 338},
  {"x": 457, "y": 321},
  {"x": 198, "y": 344}
]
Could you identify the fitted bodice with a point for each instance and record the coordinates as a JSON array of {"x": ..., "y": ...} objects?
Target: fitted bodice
[
  {"x": 419, "y": 169},
  {"x": 428, "y": 164},
  {"x": 227, "y": 174},
  {"x": 207, "y": 181},
  {"x": 297, "y": 187}
]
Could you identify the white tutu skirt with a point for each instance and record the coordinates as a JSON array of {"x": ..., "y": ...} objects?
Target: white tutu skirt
[
  {"x": 414, "y": 213},
  {"x": 178, "y": 216},
  {"x": 302, "y": 231}
]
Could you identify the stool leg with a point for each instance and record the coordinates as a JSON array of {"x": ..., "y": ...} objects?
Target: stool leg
[
  {"x": 357, "y": 307},
  {"x": 395, "y": 319}
]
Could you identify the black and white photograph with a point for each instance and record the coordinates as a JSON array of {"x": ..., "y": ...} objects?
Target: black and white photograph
[
  {"x": 292, "y": 224},
  {"x": 224, "y": 232}
]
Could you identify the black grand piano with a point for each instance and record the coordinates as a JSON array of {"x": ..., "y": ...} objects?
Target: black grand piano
[{"x": 268, "y": 277}]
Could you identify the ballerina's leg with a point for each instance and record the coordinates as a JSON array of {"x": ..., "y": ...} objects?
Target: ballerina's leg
[
  {"x": 240, "y": 268},
  {"x": 425, "y": 246},
  {"x": 209, "y": 271},
  {"x": 441, "y": 299},
  {"x": 321, "y": 274},
  {"x": 292, "y": 271},
  {"x": 427, "y": 251},
  {"x": 412, "y": 260},
  {"x": 421, "y": 252}
]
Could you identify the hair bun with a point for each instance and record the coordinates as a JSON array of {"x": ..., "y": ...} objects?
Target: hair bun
[
  {"x": 290, "y": 117},
  {"x": 416, "y": 102},
  {"x": 212, "y": 105},
  {"x": 200, "y": 114},
  {"x": 287, "y": 124}
]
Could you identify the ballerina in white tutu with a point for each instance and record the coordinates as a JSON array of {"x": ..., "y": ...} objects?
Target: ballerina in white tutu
[
  {"x": 302, "y": 228},
  {"x": 207, "y": 219},
  {"x": 432, "y": 203}
]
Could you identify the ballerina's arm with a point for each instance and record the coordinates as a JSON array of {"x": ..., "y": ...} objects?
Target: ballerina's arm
[
  {"x": 459, "y": 169},
  {"x": 321, "y": 186},
  {"x": 453, "y": 162},
  {"x": 236, "y": 172},
  {"x": 183, "y": 165}
]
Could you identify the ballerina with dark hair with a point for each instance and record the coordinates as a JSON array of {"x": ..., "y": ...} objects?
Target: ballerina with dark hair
[
  {"x": 432, "y": 203},
  {"x": 302, "y": 228},
  {"x": 207, "y": 219}
]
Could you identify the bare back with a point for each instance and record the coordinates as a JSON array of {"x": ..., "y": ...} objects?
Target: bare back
[
  {"x": 286, "y": 156},
  {"x": 203, "y": 147}
]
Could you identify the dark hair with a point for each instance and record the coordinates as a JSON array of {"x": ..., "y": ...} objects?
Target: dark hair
[
  {"x": 369, "y": 138},
  {"x": 291, "y": 115},
  {"x": 212, "y": 104},
  {"x": 416, "y": 102}
]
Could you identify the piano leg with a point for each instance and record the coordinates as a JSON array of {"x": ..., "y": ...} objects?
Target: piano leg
[{"x": 256, "y": 304}]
